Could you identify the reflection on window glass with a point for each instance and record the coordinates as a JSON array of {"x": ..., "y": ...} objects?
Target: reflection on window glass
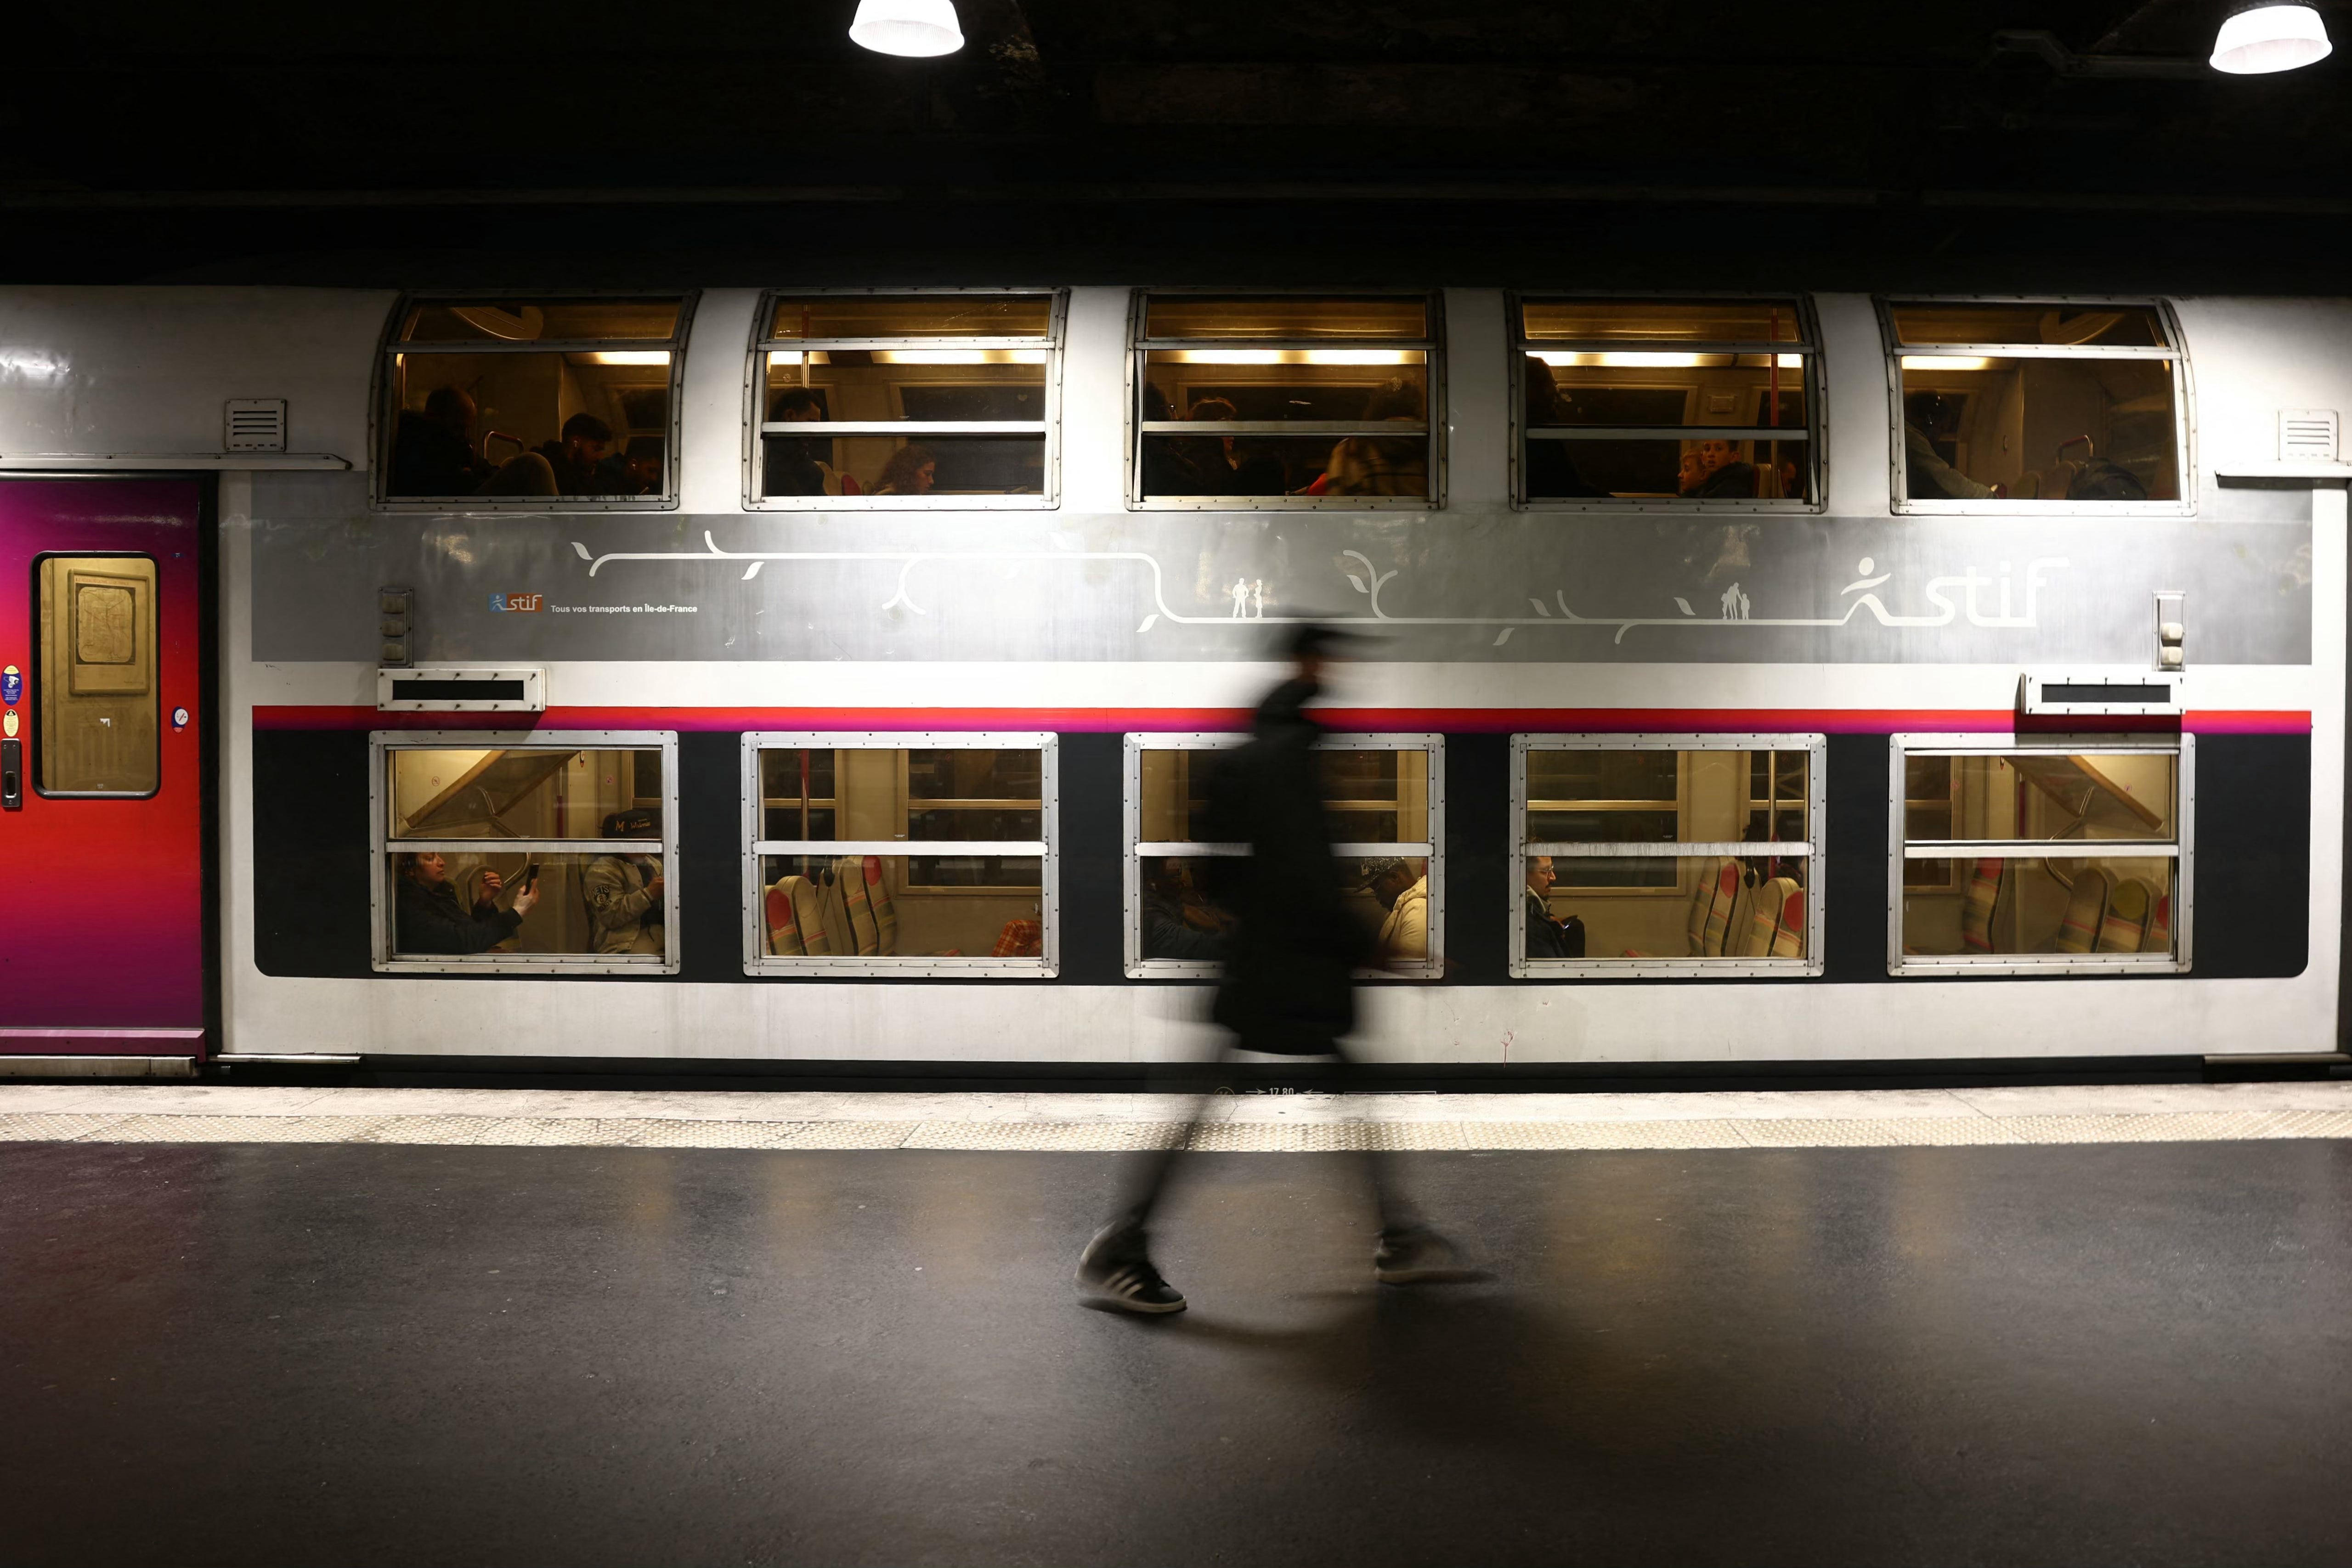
[
  {"x": 1369, "y": 795},
  {"x": 912, "y": 316},
  {"x": 457, "y": 902},
  {"x": 2009, "y": 904},
  {"x": 96, "y": 693},
  {"x": 2041, "y": 795},
  {"x": 2044, "y": 326},
  {"x": 524, "y": 792},
  {"x": 1280, "y": 316},
  {"x": 1679, "y": 908},
  {"x": 490, "y": 415},
  {"x": 538, "y": 321},
  {"x": 1665, "y": 401}
]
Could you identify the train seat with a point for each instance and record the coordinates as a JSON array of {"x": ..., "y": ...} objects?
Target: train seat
[
  {"x": 1987, "y": 895},
  {"x": 2087, "y": 911},
  {"x": 2129, "y": 907}
]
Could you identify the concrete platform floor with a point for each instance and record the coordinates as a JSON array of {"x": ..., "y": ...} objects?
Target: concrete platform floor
[{"x": 361, "y": 1352}]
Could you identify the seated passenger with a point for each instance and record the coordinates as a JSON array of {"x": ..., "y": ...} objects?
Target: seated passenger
[
  {"x": 624, "y": 890},
  {"x": 1927, "y": 476},
  {"x": 911, "y": 471},
  {"x": 1404, "y": 891},
  {"x": 1722, "y": 474},
  {"x": 1550, "y": 467},
  {"x": 1178, "y": 922},
  {"x": 789, "y": 466},
  {"x": 574, "y": 459},
  {"x": 1382, "y": 465},
  {"x": 428, "y": 918},
  {"x": 1224, "y": 467},
  {"x": 1547, "y": 937},
  {"x": 636, "y": 472},
  {"x": 433, "y": 450}
]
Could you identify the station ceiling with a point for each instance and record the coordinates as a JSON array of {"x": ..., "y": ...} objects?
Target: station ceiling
[{"x": 284, "y": 138}]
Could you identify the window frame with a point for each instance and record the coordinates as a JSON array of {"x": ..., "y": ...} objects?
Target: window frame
[
  {"x": 1432, "y": 849},
  {"x": 37, "y": 675},
  {"x": 1141, "y": 348},
  {"x": 2184, "y": 423},
  {"x": 1815, "y": 378},
  {"x": 1901, "y": 747},
  {"x": 1813, "y": 851},
  {"x": 756, "y": 422},
  {"x": 382, "y": 846},
  {"x": 753, "y": 849},
  {"x": 383, "y": 409}
]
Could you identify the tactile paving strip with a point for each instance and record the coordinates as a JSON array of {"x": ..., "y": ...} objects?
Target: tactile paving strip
[{"x": 1292, "y": 1136}]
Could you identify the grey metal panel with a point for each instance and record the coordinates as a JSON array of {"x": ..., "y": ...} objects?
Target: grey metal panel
[{"x": 1487, "y": 585}]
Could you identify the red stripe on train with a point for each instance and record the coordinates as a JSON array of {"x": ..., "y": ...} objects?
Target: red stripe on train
[{"x": 1451, "y": 721}]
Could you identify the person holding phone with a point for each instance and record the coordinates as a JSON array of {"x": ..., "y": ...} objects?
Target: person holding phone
[{"x": 428, "y": 917}]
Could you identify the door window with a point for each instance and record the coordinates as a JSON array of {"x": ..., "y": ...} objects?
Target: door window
[{"x": 95, "y": 684}]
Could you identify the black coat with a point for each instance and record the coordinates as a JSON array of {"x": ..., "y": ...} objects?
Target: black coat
[
  {"x": 1546, "y": 938},
  {"x": 430, "y": 920},
  {"x": 1289, "y": 983}
]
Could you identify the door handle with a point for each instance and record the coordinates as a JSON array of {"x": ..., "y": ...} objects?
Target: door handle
[{"x": 12, "y": 775}]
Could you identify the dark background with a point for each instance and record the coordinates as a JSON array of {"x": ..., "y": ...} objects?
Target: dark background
[{"x": 1853, "y": 144}]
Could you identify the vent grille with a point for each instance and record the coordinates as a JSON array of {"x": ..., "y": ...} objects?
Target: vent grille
[
  {"x": 256, "y": 424},
  {"x": 2308, "y": 435}
]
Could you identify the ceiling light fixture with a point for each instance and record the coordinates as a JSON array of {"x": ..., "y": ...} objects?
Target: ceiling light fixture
[
  {"x": 917, "y": 28},
  {"x": 2270, "y": 38}
]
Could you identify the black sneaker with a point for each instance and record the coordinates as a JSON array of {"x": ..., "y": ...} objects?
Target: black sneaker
[
  {"x": 1418, "y": 1257},
  {"x": 1115, "y": 1272}
]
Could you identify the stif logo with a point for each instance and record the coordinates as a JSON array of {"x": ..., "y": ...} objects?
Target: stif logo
[{"x": 518, "y": 601}]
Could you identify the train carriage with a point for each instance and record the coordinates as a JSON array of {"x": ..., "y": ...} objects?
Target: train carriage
[{"x": 823, "y": 676}]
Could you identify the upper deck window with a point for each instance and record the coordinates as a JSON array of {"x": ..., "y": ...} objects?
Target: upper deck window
[
  {"x": 1674, "y": 400},
  {"x": 908, "y": 399},
  {"x": 1258, "y": 401},
  {"x": 500, "y": 402},
  {"x": 2043, "y": 402}
]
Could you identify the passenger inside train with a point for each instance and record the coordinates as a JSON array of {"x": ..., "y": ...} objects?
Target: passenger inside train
[
  {"x": 939, "y": 375},
  {"x": 1664, "y": 400},
  {"x": 1625, "y": 852},
  {"x": 2080, "y": 407},
  {"x": 529, "y": 851},
  {"x": 1244, "y": 367},
  {"x": 482, "y": 410}
]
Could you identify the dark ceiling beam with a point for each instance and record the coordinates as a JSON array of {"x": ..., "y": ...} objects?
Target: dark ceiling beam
[{"x": 1488, "y": 192}]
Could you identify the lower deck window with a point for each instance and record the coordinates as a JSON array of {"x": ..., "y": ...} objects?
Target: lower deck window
[
  {"x": 524, "y": 852},
  {"x": 886, "y": 853},
  {"x": 1666, "y": 854},
  {"x": 2071, "y": 856},
  {"x": 1385, "y": 813}
]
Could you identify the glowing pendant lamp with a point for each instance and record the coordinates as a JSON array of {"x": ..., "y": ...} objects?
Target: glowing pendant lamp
[
  {"x": 906, "y": 28},
  {"x": 2265, "y": 38}
]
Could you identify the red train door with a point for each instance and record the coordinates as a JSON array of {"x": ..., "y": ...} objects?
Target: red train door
[{"x": 102, "y": 946}]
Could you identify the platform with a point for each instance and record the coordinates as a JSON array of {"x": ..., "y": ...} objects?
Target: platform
[{"x": 2044, "y": 1325}]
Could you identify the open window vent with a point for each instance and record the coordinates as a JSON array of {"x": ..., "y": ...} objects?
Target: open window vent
[
  {"x": 2308, "y": 435},
  {"x": 254, "y": 424}
]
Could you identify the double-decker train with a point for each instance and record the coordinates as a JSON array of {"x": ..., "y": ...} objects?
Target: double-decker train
[{"x": 838, "y": 674}]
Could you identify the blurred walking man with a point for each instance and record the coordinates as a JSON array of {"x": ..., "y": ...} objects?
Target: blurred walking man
[{"x": 1288, "y": 987}]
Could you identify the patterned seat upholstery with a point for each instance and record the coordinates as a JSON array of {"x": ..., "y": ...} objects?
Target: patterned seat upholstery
[
  {"x": 2086, "y": 910},
  {"x": 2125, "y": 930},
  {"x": 1988, "y": 885}
]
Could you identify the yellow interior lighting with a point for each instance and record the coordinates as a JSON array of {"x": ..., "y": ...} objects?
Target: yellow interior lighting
[
  {"x": 629, "y": 356},
  {"x": 1946, "y": 363},
  {"x": 1297, "y": 356}
]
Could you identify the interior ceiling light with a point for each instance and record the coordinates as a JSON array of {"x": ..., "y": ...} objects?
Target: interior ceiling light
[
  {"x": 918, "y": 27},
  {"x": 2265, "y": 38}
]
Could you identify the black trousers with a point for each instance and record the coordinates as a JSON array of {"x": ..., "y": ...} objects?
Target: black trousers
[{"x": 1147, "y": 1177}]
